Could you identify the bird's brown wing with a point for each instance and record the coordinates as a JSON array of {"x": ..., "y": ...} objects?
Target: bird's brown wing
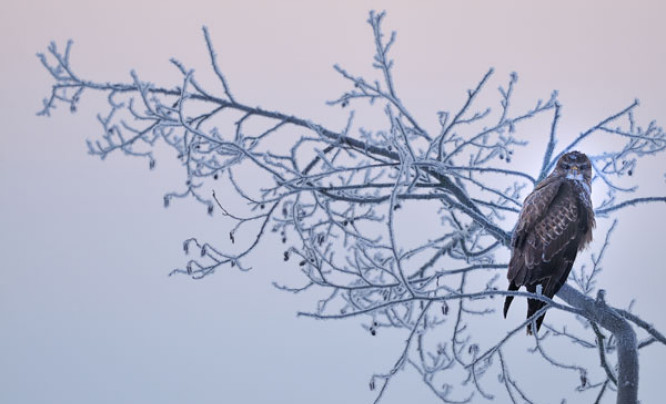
[
  {"x": 551, "y": 247},
  {"x": 535, "y": 208}
]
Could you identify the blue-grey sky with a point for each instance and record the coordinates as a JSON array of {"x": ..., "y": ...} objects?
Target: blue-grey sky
[{"x": 87, "y": 312}]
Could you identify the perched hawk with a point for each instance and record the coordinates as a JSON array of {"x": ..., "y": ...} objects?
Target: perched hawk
[{"x": 556, "y": 222}]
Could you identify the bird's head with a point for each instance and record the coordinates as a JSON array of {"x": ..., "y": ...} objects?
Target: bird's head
[{"x": 576, "y": 166}]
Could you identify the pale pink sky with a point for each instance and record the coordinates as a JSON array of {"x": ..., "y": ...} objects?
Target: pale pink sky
[{"x": 87, "y": 312}]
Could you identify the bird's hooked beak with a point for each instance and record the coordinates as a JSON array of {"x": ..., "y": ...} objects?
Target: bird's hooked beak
[{"x": 574, "y": 173}]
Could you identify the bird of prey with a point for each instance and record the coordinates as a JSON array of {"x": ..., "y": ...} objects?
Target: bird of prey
[{"x": 556, "y": 222}]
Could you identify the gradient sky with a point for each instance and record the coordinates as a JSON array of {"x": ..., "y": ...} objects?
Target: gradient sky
[{"x": 87, "y": 311}]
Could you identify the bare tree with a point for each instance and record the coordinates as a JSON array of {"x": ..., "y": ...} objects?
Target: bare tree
[{"x": 340, "y": 200}]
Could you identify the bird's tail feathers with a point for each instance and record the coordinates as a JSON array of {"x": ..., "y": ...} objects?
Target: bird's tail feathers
[
  {"x": 533, "y": 306},
  {"x": 509, "y": 299}
]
